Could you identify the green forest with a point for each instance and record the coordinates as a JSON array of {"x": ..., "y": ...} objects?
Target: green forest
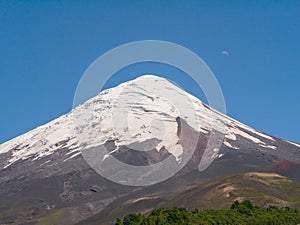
[{"x": 239, "y": 214}]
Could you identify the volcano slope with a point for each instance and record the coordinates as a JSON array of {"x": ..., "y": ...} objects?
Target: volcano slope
[{"x": 45, "y": 179}]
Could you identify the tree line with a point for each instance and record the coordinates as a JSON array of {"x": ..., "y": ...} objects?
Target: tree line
[{"x": 239, "y": 214}]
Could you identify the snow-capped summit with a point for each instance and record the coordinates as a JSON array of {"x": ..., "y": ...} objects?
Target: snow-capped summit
[{"x": 135, "y": 111}]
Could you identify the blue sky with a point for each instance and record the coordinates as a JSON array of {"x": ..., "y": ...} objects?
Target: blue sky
[{"x": 45, "y": 47}]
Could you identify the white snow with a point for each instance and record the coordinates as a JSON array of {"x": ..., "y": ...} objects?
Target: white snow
[
  {"x": 45, "y": 162},
  {"x": 256, "y": 132},
  {"x": 247, "y": 136},
  {"x": 133, "y": 112},
  {"x": 293, "y": 143},
  {"x": 42, "y": 141},
  {"x": 268, "y": 146},
  {"x": 229, "y": 145},
  {"x": 74, "y": 155},
  {"x": 231, "y": 136}
]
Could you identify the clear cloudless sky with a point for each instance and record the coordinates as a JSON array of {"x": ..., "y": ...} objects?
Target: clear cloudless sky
[{"x": 45, "y": 47}]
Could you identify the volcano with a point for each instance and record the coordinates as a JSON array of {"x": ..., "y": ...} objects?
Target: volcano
[{"x": 136, "y": 145}]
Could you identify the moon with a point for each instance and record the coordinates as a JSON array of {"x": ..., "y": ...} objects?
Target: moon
[{"x": 226, "y": 53}]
